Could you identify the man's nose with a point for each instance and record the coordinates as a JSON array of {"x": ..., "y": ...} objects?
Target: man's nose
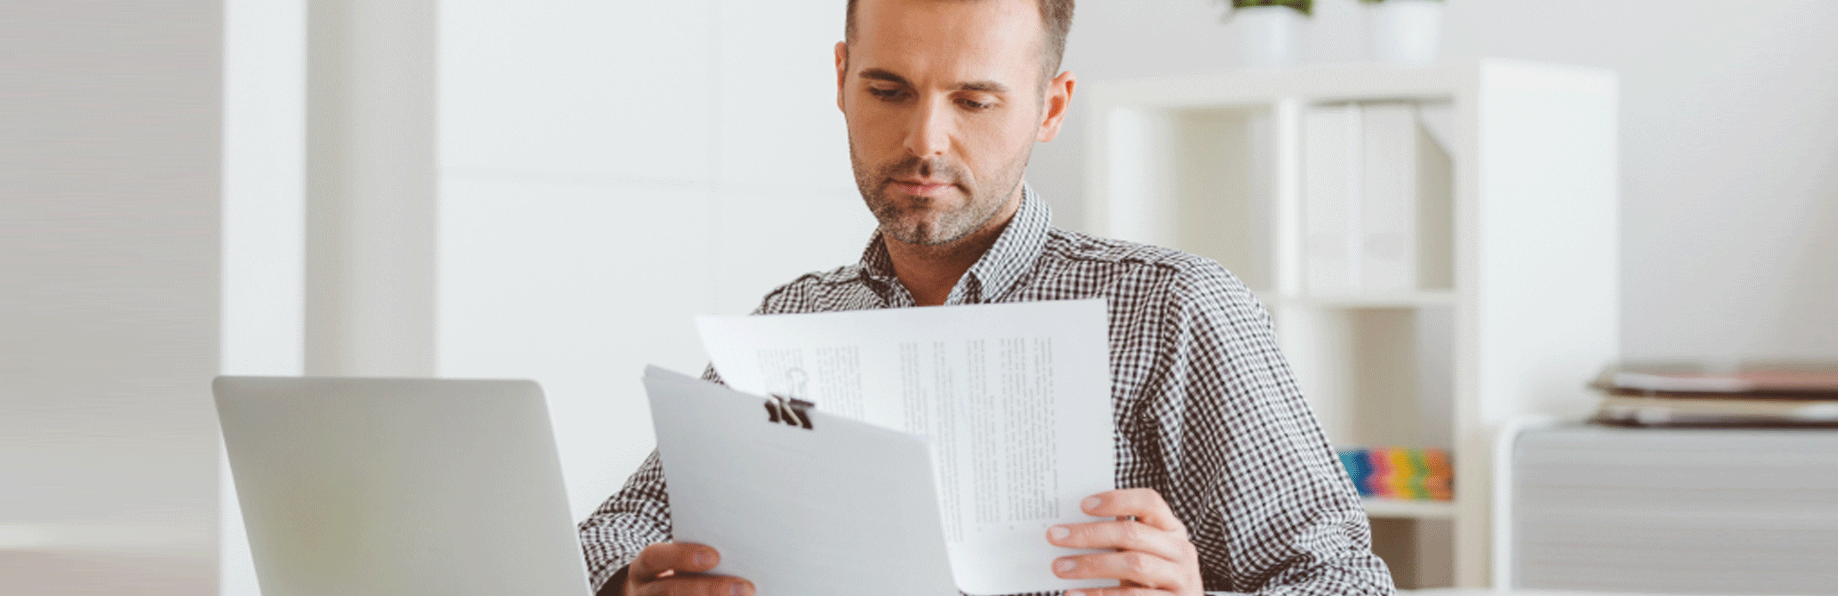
[{"x": 930, "y": 132}]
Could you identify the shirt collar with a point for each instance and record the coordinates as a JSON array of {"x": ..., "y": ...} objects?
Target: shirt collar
[{"x": 996, "y": 272}]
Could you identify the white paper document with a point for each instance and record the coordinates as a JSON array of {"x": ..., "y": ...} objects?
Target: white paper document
[
  {"x": 1013, "y": 400},
  {"x": 843, "y": 507}
]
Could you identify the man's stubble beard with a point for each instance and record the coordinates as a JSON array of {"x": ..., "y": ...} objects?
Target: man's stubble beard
[{"x": 984, "y": 202}]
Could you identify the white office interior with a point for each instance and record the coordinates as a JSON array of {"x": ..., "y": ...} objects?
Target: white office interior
[{"x": 553, "y": 189}]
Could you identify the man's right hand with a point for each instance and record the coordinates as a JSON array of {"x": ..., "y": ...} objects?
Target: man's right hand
[{"x": 669, "y": 568}]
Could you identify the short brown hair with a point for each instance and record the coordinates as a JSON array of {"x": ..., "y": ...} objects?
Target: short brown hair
[{"x": 1055, "y": 21}]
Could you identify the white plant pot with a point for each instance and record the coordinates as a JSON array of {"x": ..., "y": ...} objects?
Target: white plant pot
[
  {"x": 1404, "y": 31},
  {"x": 1268, "y": 36}
]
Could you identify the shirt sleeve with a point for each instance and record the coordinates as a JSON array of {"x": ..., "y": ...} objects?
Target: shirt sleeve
[
  {"x": 1242, "y": 459},
  {"x": 635, "y": 517}
]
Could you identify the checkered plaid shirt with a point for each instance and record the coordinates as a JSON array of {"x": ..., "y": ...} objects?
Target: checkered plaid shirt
[{"x": 1206, "y": 410}]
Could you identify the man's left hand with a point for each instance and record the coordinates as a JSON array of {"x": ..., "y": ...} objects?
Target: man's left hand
[{"x": 1154, "y": 554}]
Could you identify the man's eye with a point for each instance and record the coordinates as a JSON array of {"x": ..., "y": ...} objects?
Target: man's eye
[
  {"x": 974, "y": 104},
  {"x": 888, "y": 94}
]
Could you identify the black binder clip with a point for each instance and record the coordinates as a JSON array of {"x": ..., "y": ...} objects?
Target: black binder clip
[{"x": 789, "y": 410}]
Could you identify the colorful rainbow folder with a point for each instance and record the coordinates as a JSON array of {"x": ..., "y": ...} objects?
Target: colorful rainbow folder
[{"x": 1413, "y": 474}]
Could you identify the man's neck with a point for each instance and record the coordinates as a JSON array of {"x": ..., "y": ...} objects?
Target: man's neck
[{"x": 929, "y": 271}]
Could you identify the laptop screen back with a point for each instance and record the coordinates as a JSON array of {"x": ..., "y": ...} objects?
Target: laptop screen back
[{"x": 399, "y": 487}]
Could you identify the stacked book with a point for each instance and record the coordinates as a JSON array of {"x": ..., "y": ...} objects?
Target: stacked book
[
  {"x": 1753, "y": 394},
  {"x": 1401, "y": 473}
]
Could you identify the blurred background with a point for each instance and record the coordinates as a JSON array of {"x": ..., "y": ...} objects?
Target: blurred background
[{"x": 552, "y": 189}]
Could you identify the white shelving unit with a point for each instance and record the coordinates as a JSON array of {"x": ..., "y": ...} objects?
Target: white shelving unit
[
  {"x": 1391, "y": 508},
  {"x": 1516, "y": 297}
]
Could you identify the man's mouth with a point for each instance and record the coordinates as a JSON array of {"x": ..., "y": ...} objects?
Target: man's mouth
[{"x": 922, "y": 187}]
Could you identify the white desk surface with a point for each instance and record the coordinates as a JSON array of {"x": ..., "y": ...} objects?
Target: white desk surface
[{"x": 1510, "y": 592}]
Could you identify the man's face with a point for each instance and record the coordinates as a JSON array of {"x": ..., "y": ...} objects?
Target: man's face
[{"x": 943, "y": 105}]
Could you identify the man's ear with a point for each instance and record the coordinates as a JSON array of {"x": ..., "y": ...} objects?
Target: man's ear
[
  {"x": 1059, "y": 99},
  {"x": 842, "y": 63}
]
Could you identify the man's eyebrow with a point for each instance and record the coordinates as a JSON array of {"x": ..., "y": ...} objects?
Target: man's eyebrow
[
  {"x": 884, "y": 75},
  {"x": 986, "y": 86}
]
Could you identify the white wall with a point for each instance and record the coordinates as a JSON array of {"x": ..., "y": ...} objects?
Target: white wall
[
  {"x": 264, "y": 222},
  {"x": 1729, "y": 143},
  {"x": 609, "y": 171},
  {"x": 1729, "y": 161},
  {"x": 371, "y": 187},
  {"x": 109, "y": 214}
]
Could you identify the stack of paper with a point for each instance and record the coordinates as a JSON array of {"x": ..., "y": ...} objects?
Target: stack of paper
[{"x": 1755, "y": 394}]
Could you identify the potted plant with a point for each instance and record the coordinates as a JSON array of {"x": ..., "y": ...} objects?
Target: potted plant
[
  {"x": 1403, "y": 31},
  {"x": 1269, "y": 31}
]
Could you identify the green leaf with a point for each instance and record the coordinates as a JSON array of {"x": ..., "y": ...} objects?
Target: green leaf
[{"x": 1305, "y": 7}]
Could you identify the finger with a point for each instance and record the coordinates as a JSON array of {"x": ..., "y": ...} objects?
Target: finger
[
  {"x": 682, "y": 557},
  {"x": 1144, "y": 504},
  {"x": 697, "y": 585},
  {"x": 1138, "y": 567},
  {"x": 1119, "y": 591},
  {"x": 1121, "y": 535}
]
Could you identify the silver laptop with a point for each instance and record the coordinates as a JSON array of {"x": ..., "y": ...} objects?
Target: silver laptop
[{"x": 400, "y": 487}]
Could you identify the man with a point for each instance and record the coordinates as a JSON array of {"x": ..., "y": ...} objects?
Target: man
[{"x": 1228, "y": 483}]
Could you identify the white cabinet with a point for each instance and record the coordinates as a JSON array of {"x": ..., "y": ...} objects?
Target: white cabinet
[{"x": 1426, "y": 284}]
